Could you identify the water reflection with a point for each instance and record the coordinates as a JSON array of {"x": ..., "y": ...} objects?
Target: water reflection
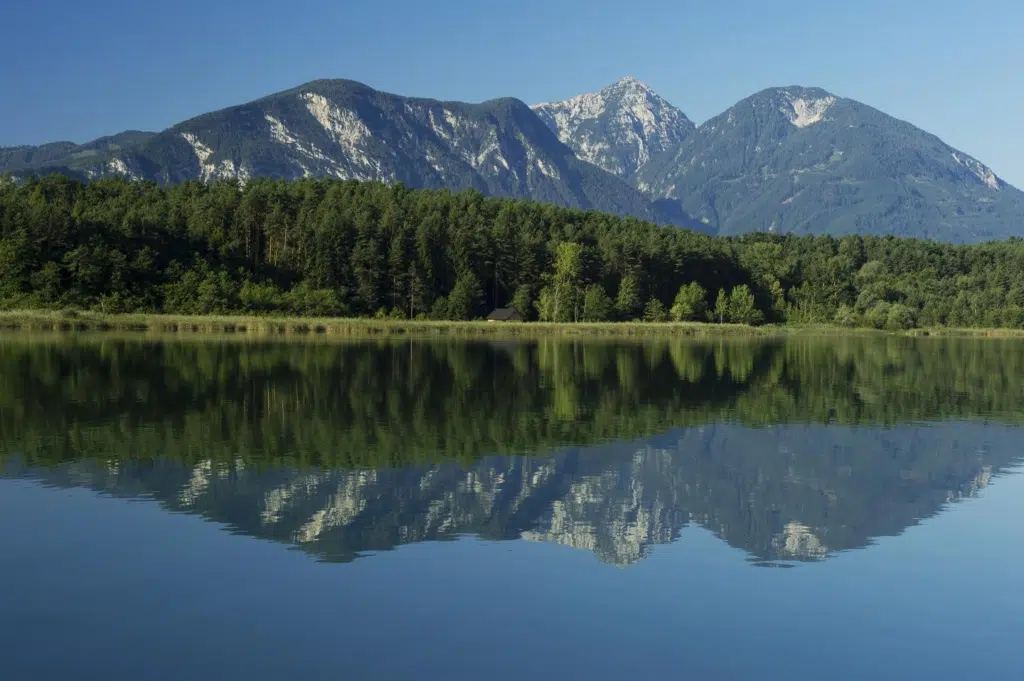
[
  {"x": 785, "y": 493},
  {"x": 790, "y": 450}
]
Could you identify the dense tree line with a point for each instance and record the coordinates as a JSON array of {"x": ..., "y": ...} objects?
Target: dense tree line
[{"x": 332, "y": 248}]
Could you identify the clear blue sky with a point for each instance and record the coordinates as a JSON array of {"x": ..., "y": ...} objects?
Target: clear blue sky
[{"x": 78, "y": 70}]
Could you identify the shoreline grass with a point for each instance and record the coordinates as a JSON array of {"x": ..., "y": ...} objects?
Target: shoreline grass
[{"x": 274, "y": 326}]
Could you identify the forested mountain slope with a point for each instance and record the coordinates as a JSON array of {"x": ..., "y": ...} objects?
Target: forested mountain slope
[
  {"x": 802, "y": 160},
  {"x": 67, "y": 154},
  {"x": 346, "y": 130}
]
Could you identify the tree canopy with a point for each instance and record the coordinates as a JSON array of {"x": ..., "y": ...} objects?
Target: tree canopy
[{"x": 334, "y": 248}]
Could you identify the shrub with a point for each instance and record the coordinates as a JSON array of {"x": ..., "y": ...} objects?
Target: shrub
[
  {"x": 690, "y": 303},
  {"x": 597, "y": 304},
  {"x": 654, "y": 311}
]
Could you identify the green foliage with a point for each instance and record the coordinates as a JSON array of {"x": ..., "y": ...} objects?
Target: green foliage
[
  {"x": 522, "y": 301},
  {"x": 877, "y": 316},
  {"x": 464, "y": 301},
  {"x": 627, "y": 304},
  {"x": 721, "y": 312},
  {"x": 46, "y": 285},
  {"x": 690, "y": 304},
  {"x": 597, "y": 305},
  {"x": 567, "y": 282},
  {"x": 654, "y": 311},
  {"x": 13, "y": 270},
  {"x": 742, "y": 309},
  {"x": 260, "y": 297},
  {"x": 439, "y": 310},
  {"x": 200, "y": 290},
  {"x": 846, "y": 316},
  {"x": 310, "y": 302},
  {"x": 900, "y": 318},
  {"x": 329, "y": 248},
  {"x": 546, "y": 305}
]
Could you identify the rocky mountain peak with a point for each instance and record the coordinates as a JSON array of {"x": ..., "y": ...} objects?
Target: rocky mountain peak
[
  {"x": 801, "y": 106},
  {"x": 618, "y": 128},
  {"x": 806, "y": 106},
  {"x": 629, "y": 83},
  {"x": 803, "y": 160}
]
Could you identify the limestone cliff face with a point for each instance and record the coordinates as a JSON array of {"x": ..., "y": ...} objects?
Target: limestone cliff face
[{"x": 619, "y": 128}]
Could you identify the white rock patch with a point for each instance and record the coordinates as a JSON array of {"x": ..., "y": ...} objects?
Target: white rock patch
[
  {"x": 491, "y": 149},
  {"x": 546, "y": 170},
  {"x": 116, "y": 166},
  {"x": 983, "y": 172},
  {"x": 341, "y": 124},
  {"x": 805, "y": 112},
  {"x": 569, "y": 114},
  {"x": 203, "y": 153},
  {"x": 280, "y": 134},
  {"x": 432, "y": 160},
  {"x": 349, "y": 132},
  {"x": 438, "y": 129},
  {"x": 628, "y": 113},
  {"x": 227, "y": 169},
  {"x": 456, "y": 131},
  {"x": 209, "y": 171}
]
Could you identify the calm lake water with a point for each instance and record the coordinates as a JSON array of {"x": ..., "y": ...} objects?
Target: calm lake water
[{"x": 414, "y": 509}]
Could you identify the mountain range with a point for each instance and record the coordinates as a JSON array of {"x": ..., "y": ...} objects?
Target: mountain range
[{"x": 793, "y": 159}]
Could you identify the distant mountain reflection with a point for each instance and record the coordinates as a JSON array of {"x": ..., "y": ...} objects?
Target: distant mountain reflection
[
  {"x": 783, "y": 493},
  {"x": 787, "y": 450}
]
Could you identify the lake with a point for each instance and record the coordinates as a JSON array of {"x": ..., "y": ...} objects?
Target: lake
[{"x": 790, "y": 508}]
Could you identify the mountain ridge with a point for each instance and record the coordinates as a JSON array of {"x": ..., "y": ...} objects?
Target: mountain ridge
[
  {"x": 618, "y": 128},
  {"x": 796, "y": 159},
  {"x": 347, "y": 130},
  {"x": 786, "y": 159}
]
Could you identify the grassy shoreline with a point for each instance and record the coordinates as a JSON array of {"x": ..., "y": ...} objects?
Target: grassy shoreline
[{"x": 270, "y": 326}]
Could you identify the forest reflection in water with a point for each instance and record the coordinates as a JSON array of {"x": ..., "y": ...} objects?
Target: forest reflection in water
[{"x": 790, "y": 449}]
